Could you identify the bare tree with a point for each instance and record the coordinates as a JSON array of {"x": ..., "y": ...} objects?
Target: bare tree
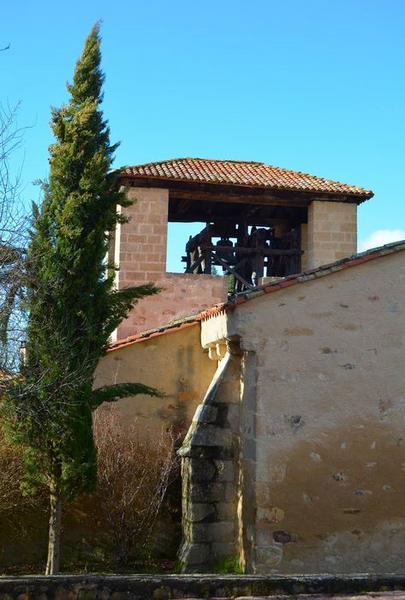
[
  {"x": 13, "y": 240},
  {"x": 134, "y": 472}
]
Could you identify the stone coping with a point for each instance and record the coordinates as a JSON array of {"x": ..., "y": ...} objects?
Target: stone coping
[{"x": 167, "y": 587}]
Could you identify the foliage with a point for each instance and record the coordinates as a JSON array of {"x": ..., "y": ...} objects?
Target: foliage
[
  {"x": 134, "y": 472},
  {"x": 229, "y": 565},
  {"x": 72, "y": 303},
  {"x": 10, "y": 473}
]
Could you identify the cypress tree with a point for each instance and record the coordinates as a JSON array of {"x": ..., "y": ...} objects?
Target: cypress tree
[{"x": 73, "y": 306}]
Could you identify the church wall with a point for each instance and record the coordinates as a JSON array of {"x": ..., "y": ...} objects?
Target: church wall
[
  {"x": 139, "y": 247},
  {"x": 331, "y": 233},
  {"x": 175, "y": 364},
  {"x": 326, "y": 467},
  {"x": 181, "y": 295}
]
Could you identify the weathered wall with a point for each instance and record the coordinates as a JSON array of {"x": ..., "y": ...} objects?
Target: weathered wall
[
  {"x": 326, "y": 466},
  {"x": 140, "y": 253},
  {"x": 210, "y": 474},
  {"x": 173, "y": 362},
  {"x": 331, "y": 232}
]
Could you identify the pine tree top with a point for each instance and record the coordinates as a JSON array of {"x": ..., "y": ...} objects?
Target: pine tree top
[{"x": 72, "y": 303}]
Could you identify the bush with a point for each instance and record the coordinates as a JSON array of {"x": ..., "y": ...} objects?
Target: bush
[
  {"x": 130, "y": 513},
  {"x": 134, "y": 472},
  {"x": 10, "y": 475}
]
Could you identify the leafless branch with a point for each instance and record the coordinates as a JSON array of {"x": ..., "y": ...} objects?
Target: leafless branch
[
  {"x": 13, "y": 240},
  {"x": 134, "y": 472}
]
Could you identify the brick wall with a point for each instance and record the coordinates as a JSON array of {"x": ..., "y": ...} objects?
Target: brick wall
[
  {"x": 181, "y": 296},
  {"x": 140, "y": 252},
  {"x": 331, "y": 232}
]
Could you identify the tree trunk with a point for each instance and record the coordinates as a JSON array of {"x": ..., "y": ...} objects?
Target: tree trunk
[{"x": 55, "y": 516}]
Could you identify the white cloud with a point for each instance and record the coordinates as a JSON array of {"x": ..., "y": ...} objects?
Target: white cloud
[{"x": 381, "y": 237}]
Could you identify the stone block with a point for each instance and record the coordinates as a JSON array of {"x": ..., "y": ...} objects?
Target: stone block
[
  {"x": 225, "y": 511},
  {"x": 249, "y": 449},
  {"x": 225, "y": 470},
  {"x": 202, "y": 470},
  {"x": 212, "y": 492},
  {"x": 200, "y": 511},
  {"x": 327, "y": 224},
  {"x": 205, "y": 413},
  {"x": 230, "y": 492},
  {"x": 223, "y": 549},
  {"x": 210, "y": 435},
  {"x": 233, "y": 416},
  {"x": 212, "y": 532},
  {"x": 195, "y": 554}
]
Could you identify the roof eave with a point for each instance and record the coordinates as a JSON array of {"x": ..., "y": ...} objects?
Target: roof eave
[{"x": 357, "y": 197}]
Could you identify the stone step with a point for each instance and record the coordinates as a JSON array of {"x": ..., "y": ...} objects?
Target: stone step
[{"x": 398, "y": 595}]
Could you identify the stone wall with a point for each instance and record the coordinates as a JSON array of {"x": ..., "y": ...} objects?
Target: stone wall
[
  {"x": 167, "y": 587},
  {"x": 325, "y": 434},
  {"x": 139, "y": 248},
  {"x": 331, "y": 232},
  {"x": 210, "y": 472}
]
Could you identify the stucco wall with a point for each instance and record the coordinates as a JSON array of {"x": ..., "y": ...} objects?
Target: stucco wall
[
  {"x": 329, "y": 452},
  {"x": 174, "y": 363}
]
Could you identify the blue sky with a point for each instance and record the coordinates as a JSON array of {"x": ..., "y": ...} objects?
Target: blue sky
[{"x": 311, "y": 85}]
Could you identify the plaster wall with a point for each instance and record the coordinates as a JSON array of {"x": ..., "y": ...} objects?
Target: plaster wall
[
  {"x": 139, "y": 248},
  {"x": 174, "y": 363},
  {"x": 325, "y": 449}
]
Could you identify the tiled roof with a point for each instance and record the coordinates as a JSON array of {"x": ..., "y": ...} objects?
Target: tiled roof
[
  {"x": 322, "y": 271},
  {"x": 171, "y": 327},
  {"x": 240, "y": 173}
]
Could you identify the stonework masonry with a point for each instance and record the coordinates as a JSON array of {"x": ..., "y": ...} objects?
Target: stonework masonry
[
  {"x": 140, "y": 247},
  {"x": 199, "y": 587},
  {"x": 331, "y": 232},
  {"x": 317, "y": 439},
  {"x": 210, "y": 472}
]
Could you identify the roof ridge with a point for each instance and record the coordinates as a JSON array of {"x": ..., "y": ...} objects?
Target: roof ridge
[{"x": 182, "y": 158}]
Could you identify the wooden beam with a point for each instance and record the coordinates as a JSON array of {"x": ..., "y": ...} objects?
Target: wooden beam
[
  {"x": 233, "y": 272},
  {"x": 257, "y": 200}
]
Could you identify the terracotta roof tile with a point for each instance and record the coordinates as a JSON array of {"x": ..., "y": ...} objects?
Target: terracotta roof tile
[
  {"x": 322, "y": 271},
  {"x": 171, "y": 327},
  {"x": 340, "y": 265},
  {"x": 240, "y": 173}
]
